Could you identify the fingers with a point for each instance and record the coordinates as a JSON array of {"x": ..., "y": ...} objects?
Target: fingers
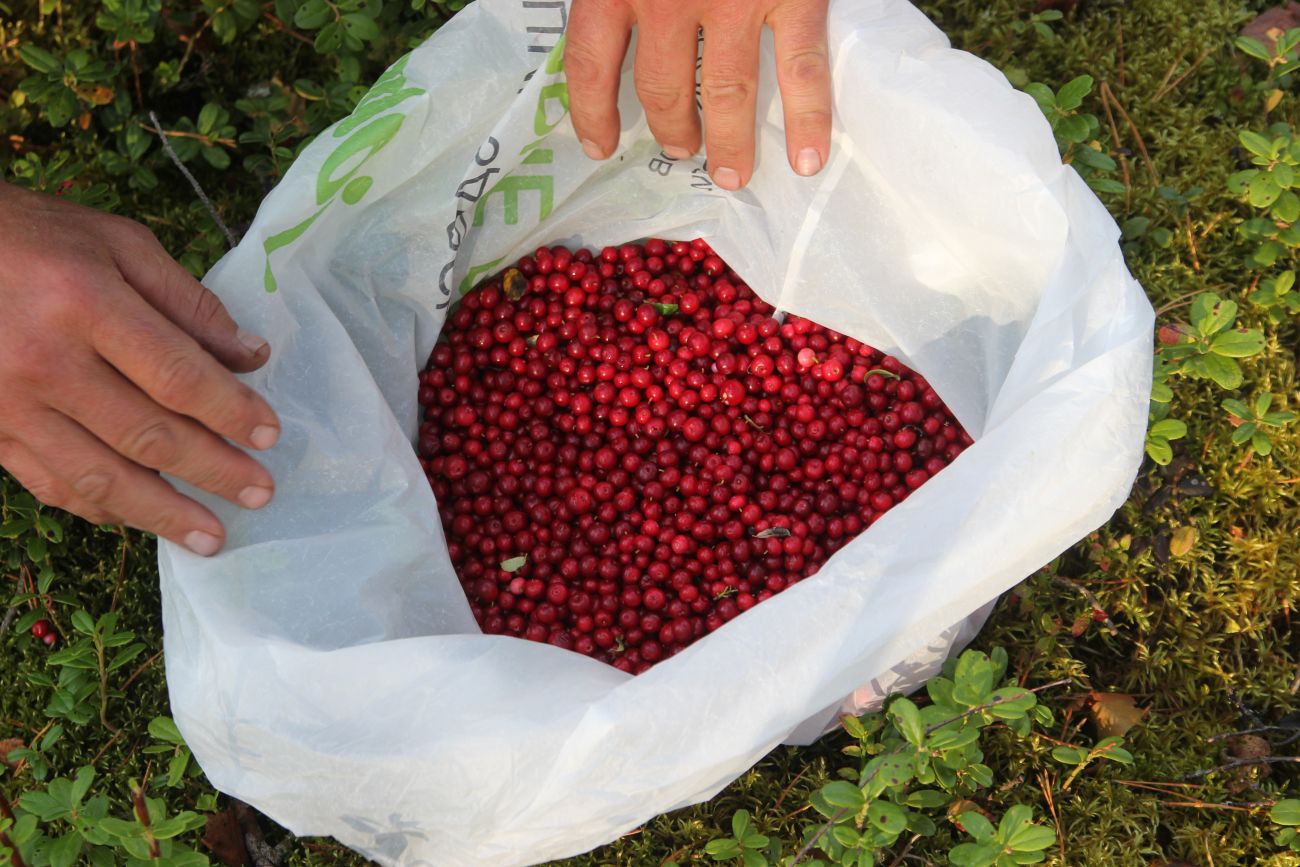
[
  {"x": 127, "y": 420},
  {"x": 171, "y": 367},
  {"x": 666, "y": 51},
  {"x": 804, "y": 74},
  {"x": 729, "y": 90},
  {"x": 44, "y": 486},
  {"x": 185, "y": 301},
  {"x": 94, "y": 481},
  {"x": 594, "y": 47}
]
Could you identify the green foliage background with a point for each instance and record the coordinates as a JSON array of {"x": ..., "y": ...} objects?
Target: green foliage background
[{"x": 1197, "y": 574}]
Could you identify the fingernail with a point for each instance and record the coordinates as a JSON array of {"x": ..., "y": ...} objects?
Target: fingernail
[
  {"x": 675, "y": 153},
  {"x": 203, "y": 544},
  {"x": 808, "y": 162},
  {"x": 254, "y": 497},
  {"x": 728, "y": 179},
  {"x": 592, "y": 150},
  {"x": 263, "y": 437},
  {"x": 251, "y": 341}
]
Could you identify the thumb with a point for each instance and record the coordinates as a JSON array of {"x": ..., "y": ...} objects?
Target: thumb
[{"x": 189, "y": 304}]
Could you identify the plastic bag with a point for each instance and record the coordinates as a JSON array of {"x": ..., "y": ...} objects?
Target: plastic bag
[{"x": 325, "y": 667}]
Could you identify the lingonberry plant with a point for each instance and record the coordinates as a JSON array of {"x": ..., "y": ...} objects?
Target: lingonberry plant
[
  {"x": 920, "y": 767},
  {"x": 630, "y": 450}
]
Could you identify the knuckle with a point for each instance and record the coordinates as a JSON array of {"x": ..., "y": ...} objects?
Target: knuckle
[
  {"x": 806, "y": 68},
  {"x": 726, "y": 94},
  {"x": 154, "y": 445},
  {"x": 581, "y": 65},
  {"x": 208, "y": 308},
  {"x": 95, "y": 515},
  {"x": 812, "y": 120},
  {"x": 95, "y": 485},
  {"x": 177, "y": 378},
  {"x": 660, "y": 96},
  {"x": 133, "y": 233}
]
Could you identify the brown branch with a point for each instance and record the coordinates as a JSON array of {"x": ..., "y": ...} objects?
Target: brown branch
[
  {"x": 1244, "y": 763},
  {"x": 1170, "y": 87},
  {"x": 1051, "y": 808},
  {"x": 1119, "y": 151},
  {"x": 908, "y": 848},
  {"x": 148, "y": 662},
  {"x": 285, "y": 29},
  {"x": 1107, "y": 93}
]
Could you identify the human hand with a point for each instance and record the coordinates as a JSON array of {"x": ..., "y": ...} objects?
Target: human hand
[
  {"x": 666, "y": 53},
  {"x": 115, "y": 364}
]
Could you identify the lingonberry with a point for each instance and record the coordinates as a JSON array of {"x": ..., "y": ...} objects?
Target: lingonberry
[{"x": 663, "y": 469}]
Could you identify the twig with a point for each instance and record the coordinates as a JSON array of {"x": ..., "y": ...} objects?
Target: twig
[
  {"x": 203, "y": 197},
  {"x": 121, "y": 568},
  {"x": 1252, "y": 731},
  {"x": 1180, "y": 301},
  {"x": 1173, "y": 68},
  {"x": 189, "y": 46},
  {"x": 1119, "y": 149},
  {"x": 288, "y": 31},
  {"x": 1206, "y": 805},
  {"x": 1244, "y": 763},
  {"x": 148, "y": 662},
  {"x": 808, "y": 847},
  {"x": 99, "y": 755},
  {"x": 1051, "y": 808},
  {"x": 786, "y": 790},
  {"x": 906, "y": 849},
  {"x": 1107, "y": 93},
  {"x": 1191, "y": 243},
  {"x": 1170, "y": 87},
  {"x": 1092, "y": 599},
  {"x": 934, "y": 728}
]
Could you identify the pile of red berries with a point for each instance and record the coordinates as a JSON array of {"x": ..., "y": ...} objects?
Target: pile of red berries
[{"x": 628, "y": 449}]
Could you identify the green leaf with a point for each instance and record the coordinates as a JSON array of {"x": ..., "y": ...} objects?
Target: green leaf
[
  {"x": 1256, "y": 144},
  {"x": 83, "y": 622},
  {"x": 927, "y": 799},
  {"x": 907, "y": 719},
  {"x": 974, "y": 854},
  {"x": 1262, "y": 445},
  {"x": 63, "y": 852},
  {"x": 843, "y": 795},
  {"x": 1071, "y": 95},
  {"x": 1243, "y": 433},
  {"x": 740, "y": 824},
  {"x": 975, "y": 824},
  {"x": 1262, "y": 403},
  {"x": 666, "y": 309},
  {"x": 1069, "y": 755},
  {"x": 1032, "y": 838},
  {"x": 1279, "y": 419},
  {"x": 854, "y": 727},
  {"x": 39, "y": 59},
  {"x": 886, "y": 817},
  {"x": 361, "y": 26},
  {"x": 723, "y": 850},
  {"x": 1284, "y": 175},
  {"x": 1170, "y": 429},
  {"x": 1118, "y": 754},
  {"x": 81, "y": 783},
  {"x": 1203, "y": 305},
  {"x": 1073, "y": 129},
  {"x": 1042, "y": 95},
  {"x": 1252, "y": 47},
  {"x": 163, "y": 728},
  {"x": 1286, "y": 812},
  {"x": 1263, "y": 191},
  {"x": 1221, "y": 369},
  {"x": 1287, "y": 207},
  {"x": 1237, "y": 408},
  {"x": 1238, "y": 343},
  {"x": 973, "y": 677},
  {"x": 514, "y": 564},
  {"x": 750, "y": 858},
  {"x": 1013, "y": 701}
]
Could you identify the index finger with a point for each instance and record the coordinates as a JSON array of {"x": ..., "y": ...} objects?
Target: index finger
[
  {"x": 173, "y": 369},
  {"x": 804, "y": 74}
]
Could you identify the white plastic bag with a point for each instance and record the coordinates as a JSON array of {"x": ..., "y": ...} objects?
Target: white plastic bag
[{"x": 325, "y": 668}]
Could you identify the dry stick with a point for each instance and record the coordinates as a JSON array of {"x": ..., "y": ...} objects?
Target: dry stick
[
  {"x": 1051, "y": 808},
  {"x": 1206, "y": 805},
  {"x": 1137, "y": 134},
  {"x": 1092, "y": 599},
  {"x": 1255, "y": 731},
  {"x": 148, "y": 662},
  {"x": 1119, "y": 147},
  {"x": 189, "y": 46},
  {"x": 203, "y": 197},
  {"x": 1191, "y": 243},
  {"x": 906, "y": 849},
  {"x": 121, "y": 568},
  {"x": 1244, "y": 763},
  {"x": 279, "y": 25},
  {"x": 99, "y": 755},
  {"x": 1173, "y": 67},
  {"x": 1166, "y": 90},
  {"x": 839, "y": 814},
  {"x": 1119, "y": 73},
  {"x": 786, "y": 790}
]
